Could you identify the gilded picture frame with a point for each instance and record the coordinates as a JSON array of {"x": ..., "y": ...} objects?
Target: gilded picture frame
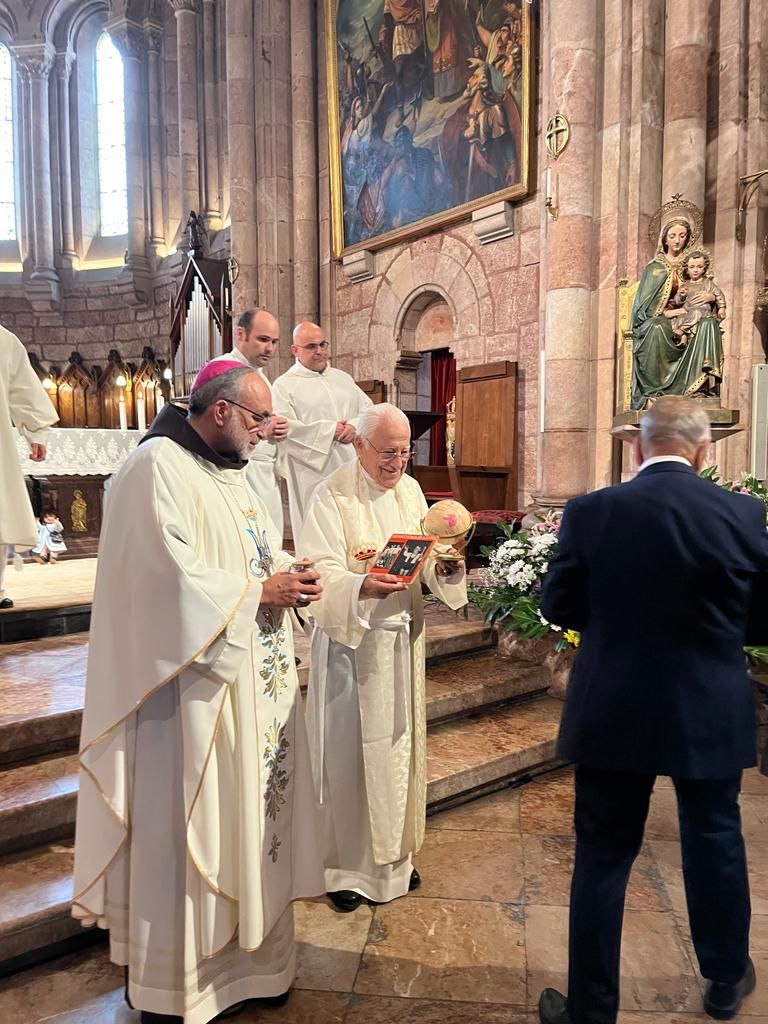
[{"x": 430, "y": 106}]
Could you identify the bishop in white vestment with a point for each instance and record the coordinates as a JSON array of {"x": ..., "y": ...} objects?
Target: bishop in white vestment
[
  {"x": 366, "y": 703},
  {"x": 321, "y": 404},
  {"x": 257, "y": 334},
  {"x": 24, "y": 407},
  {"x": 196, "y": 816}
]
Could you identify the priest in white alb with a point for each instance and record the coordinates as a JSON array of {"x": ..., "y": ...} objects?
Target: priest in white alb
[
  {"x": 256, "y": 337},
  {"x": 196, "y": 816},
  {"x": 321, "y": 404},
  {"x": 25, "y": 409},
  {"x": 366, "y": 702}
]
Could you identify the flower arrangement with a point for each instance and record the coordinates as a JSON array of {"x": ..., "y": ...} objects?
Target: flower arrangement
[{"x": 508, "y": 591}]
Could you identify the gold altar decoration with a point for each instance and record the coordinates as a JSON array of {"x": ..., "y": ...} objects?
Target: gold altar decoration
[
  {"x": 452, "y": 524},
  {"x": 79, "y": 513},
  {"x": 450, "y": 432}
]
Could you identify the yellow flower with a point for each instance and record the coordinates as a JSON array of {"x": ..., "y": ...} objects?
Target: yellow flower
[{"x": 573, "y": 637}]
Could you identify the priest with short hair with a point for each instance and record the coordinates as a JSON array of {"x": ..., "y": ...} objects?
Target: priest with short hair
[
  {"x": 367, "y": 702},
  {"x": 321, "y": 404},
  {"x": 196, "y": 818}
]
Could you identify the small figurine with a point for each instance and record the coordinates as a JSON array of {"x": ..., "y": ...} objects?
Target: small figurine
[{"x": 193, "y": 228}]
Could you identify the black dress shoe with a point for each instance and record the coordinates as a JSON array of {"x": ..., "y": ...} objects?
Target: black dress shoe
[
  {"x": 345, "y": 900},
  {"x": 415, "y": 881},
  {"x": 6, "y": 603},
  {"x": 159, "y": 1018},
  {"x": 273, "y": 1002},
  {"x": 232, "y": 1011},
  {"x": 723, "y": 1001},
  {"x": 553, "y": 1007}
]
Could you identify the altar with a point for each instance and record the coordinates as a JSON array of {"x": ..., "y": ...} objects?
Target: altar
[{"x": 71, "y": 480}]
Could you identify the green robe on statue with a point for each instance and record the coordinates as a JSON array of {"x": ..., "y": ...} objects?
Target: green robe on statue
[{"x": 660, "y": 366}]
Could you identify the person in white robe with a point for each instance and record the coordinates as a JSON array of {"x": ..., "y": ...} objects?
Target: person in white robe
[
  {"x": 321, "y": 404},
  {"x": 24, "y": 407},
  {"x": 196, "y": 816},
  {"x": 366, "y": 709},
  {"x": 257, "y": 335}
]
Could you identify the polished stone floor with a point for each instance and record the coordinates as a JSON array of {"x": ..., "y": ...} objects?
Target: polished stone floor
[
  {"x": 51, "y": 586},
  {"x": 478, "y": 941}
]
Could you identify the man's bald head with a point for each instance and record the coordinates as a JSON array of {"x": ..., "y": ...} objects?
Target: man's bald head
[
  {"x": 256, "y": 336},
  {"x": 232, "y": 411},
  {"x": 310, "y": 346}
]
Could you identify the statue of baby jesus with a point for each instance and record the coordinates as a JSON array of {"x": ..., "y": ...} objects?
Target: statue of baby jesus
[{"x": 698, "y": 296}]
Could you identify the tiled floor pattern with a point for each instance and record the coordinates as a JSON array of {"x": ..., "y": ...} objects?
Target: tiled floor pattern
[{"x": 478, "y": 941}]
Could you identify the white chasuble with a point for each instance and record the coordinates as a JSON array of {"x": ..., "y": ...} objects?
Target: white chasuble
[
  {"x": 24, "y": 407},
  {"x": 366, "y": 706},
  {"x": 196, "y": 816},
  {"x": 262, "y": 465},
  {"x": 314, "y": 403}
]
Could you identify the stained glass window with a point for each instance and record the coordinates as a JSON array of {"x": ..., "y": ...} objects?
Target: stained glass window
[
  {"x": 7, "y": 148},
  {"x": 110, "y": 104}
]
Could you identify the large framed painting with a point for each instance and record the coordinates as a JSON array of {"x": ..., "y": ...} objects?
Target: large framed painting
[{"x": 429, "y": 113}]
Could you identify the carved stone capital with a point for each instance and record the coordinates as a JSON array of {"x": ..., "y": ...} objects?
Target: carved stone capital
[
  {"x": 63, "y": 65},
  {"x": 185, "y": 6},
  {"x": 129, "y": 38},
  {"x": 358, "y": 266},
  {"x": 34, "y": 60},
  {"x": 153, "y": 33}
]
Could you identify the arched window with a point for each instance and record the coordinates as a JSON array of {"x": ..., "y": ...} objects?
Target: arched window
[
  {"x": 110, "y": 109},
  {"x": 7, "y": 149}
]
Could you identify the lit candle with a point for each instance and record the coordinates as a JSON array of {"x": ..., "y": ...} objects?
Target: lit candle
[
  {"x": 141, "y": 411},
  {"x": 548, "y": 186},
  {"x": 123, "y": 413}
]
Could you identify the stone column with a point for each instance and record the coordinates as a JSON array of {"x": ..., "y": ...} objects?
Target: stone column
[
  {"x": 274, "y": 164},
  {"x": 129, "y": 39},
  {"x": 304, "y": 136},
  {"x": 241, "y": 126},
  {"x": 568, "y": 280},
  {"x": 35, "y": 61},
  {"x": 189, "y": 136},
  {"x": 154, "y": 38},
  {"x": 63, "y": 68},
  {"x": 686, "y": 53},
  {"x": 210, "y": 163}
]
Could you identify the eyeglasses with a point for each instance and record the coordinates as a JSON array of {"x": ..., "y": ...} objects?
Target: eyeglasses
[
  {"x": 259, "y": 418},
  {"x": 319, "y": 346},
  {"x": 391, "y": 454}
]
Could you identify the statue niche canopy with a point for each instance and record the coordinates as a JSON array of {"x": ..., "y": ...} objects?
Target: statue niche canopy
[{"x": 670, "y": 334}]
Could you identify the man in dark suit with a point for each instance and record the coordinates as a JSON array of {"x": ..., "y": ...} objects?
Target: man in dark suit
[{"x": 664, "y": 578}]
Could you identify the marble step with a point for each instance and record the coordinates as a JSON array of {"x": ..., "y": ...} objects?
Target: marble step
[
  {"x": 35, "y": 915},
  {"x": 37, "y": 802},
  {"x": 469, "y": 755},
  {"x": 459, "y": 686}
]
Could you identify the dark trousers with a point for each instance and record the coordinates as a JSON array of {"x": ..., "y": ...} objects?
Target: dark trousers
[{"x": 611, "y": 808}]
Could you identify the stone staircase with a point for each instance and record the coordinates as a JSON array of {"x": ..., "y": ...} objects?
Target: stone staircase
[{"x": 490, "y": 724}]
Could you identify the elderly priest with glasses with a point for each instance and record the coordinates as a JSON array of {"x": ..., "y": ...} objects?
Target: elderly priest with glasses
[
  {"x": 321, "y": 404},
  {"x": 196, "y": 818},
  {"x": 366, "y": 703}
]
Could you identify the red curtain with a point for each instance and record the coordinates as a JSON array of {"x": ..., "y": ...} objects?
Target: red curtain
[{"x": 443, "y": 390}]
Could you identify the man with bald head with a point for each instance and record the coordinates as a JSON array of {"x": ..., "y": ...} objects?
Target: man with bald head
[
  {"x": 195, "y": 822},
  {"x": 257, "y": 334},
  {"x": 366, "y": 706},
  {"x": 321, "y": 404}
]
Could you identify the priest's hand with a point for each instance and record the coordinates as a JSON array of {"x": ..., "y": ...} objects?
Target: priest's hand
[
  {"x": 291, "y": 590},
  {"x": 38, "y": 453},
  {"x": 345, "y": 432},
  {"x": 277, "y": 429},
  {"x": 379, "y": 586},
  {"x": 450, "y": 567}
]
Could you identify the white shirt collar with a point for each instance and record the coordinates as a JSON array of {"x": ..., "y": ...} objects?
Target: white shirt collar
[{"x": 663, "y": 458}]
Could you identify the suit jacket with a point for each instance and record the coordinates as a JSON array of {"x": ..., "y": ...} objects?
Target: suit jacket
[{"x": 665, "y": 578}]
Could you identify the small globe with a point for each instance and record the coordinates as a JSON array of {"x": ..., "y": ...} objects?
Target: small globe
[{"x": 450, "y": 522}]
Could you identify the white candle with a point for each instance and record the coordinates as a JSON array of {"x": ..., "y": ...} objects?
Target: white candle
[
  {"x": 123, "y": 414},
  {"x": 141, "y": 413},
  {"x": 159, "y": 400},
  {"x": 548, "y": 185}
]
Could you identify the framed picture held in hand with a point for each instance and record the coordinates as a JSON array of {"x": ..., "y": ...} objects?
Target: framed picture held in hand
[{"x": 403, "y": 555}]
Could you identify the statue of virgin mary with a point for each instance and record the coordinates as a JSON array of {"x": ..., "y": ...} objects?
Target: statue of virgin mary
[{"x": 662, "y": 365}]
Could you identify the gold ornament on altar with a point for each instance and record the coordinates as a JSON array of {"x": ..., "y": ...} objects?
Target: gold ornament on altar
[
  {"x": 453, "y": 526},
  {"x": 79, "y": 513}
]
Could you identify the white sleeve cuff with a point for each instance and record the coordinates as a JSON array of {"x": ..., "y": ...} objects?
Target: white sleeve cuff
[{"x": 355, "y": 598}]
